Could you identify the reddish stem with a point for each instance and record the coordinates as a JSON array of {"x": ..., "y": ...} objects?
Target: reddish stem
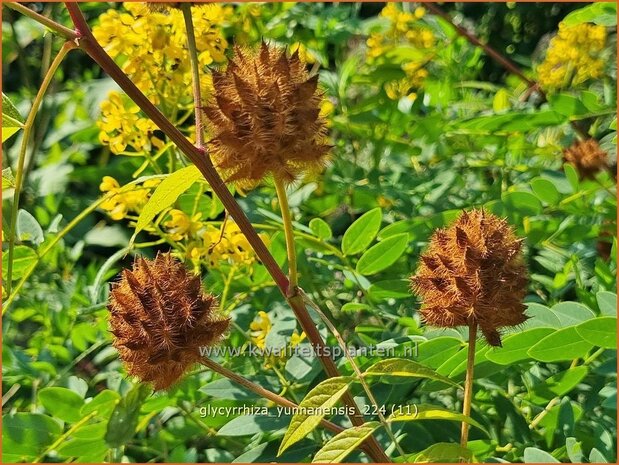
[{"x": 200, "y": 158}]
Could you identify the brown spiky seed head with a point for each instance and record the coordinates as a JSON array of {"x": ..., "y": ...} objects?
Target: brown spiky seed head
[
  {"x": 160, "y": 317},
  {"x": 587, "y": 156},
  {"x": 473, "y": 271},
  {"x": 265, "y": 118}
]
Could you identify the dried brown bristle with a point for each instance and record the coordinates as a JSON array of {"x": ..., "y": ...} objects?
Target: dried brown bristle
[
  {"x": 264, "y": 117},
  {"x": 473, "y": 271},
  {"x": 587, "y": 156},
  {"x": 160, "y": 317}
]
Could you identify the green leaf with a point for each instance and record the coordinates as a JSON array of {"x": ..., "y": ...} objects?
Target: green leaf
[
  {"x": 572, "y": 176},
  {"x": 8, "y": 180},
  {"x": 574, "y": 450},
  {"x": 500, "y": 101},
  {"x": 602, "y": 13},
  {"x": 607, "y": 301},
  {"x": 62, "y": 403},
  {"x": 12, "y": 121},
  {"x": 436, "y": 351},
  {"x": 342, "y": 444},
  {"x": 390, "y": 289},
  {"x": 545, "y": 190},
  {"x": 597, "y": 457},
  {"x": 28, "y": 228},
  {"x": 226, "y": 389},
  {"x": 443, "y": 452},
  {"x": 572, "y": 313},
  {"x": 313, "y": 408},
  {"x": 321, "y": 228},
  {"x": 78, "y": 447},
  {"x": 516, "y": 346},
  {"x": 559, "y": 384},
  {"x": 362, "y": 232},
  {"x": 513, "y": 121},
  {"x": 26, "y": 435},
  {"x": 23, "y": 258},
  {"x": 430, "y": 412},
  {"x": 564, "y": 344},
  {"x": 103, "y": 403},
  {"x": 541, "y": 316},
  {"x": 165, "y": 195},
  {"x": 523, "y": 202},
  {"x": 601, "y": 332},
  {"x": 401, "y": 367},
  {"x": 533, "y": 455},
  {"x": 354, "y": 307},
  {"x": 382, "y": 255},
  {"x": 247, "y": 425},
  {"x": 124, "y": 419}
]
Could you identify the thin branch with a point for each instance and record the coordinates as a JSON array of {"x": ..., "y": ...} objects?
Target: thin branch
[
  {"x": 203, "y": 162},
  {"x": 499, "y": 58},
  {"x": 19, "y": 172},
  {"x": 468, "y": 383},
  {"x": 44, "y": 20}
]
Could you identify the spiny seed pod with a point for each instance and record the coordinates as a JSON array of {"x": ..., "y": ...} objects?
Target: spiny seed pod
[
  {"x": 160, "y": 317},
  {"x": 587, "y": 156},
  {"x": 473, "y": 271},
  {"x": 264, "y": 118}
]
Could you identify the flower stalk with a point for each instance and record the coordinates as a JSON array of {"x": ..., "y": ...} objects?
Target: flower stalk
[
  {"x": 85, "y": 40},
  {"x": 468, "y": 383},
  {"x": 289, "y": 234},
  {"x": 19, "y": 173}
]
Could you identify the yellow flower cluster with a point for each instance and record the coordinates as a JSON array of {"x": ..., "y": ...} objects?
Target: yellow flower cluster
[
  {"x": 122, "y": 201},
  {"x": 404, "y": 30},
  {"x": 151, "y": 48},
  {"x": 260, "y": 328},
  {"x": 573, "y": 56},
  {"x": 227, "y": 246},
  {"x": 205, "y": 243},
  {"x": 122, "y": 127}
]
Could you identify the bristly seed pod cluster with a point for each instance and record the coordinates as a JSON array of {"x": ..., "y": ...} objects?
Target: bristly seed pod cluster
[
  {"x": 265, "y": 117},
  {"x": 473, "y": 271},
  {"x": 160, "y": 317},
  {"x": 587, "y": 156}
]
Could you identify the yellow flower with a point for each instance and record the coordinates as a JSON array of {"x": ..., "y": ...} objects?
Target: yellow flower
[
  {"x": 260, "y": 328},
  {"x": 121, "y": 126},
  {"x": 229, "y": 247},
  {"x": 573, "y": 56},
  {"x": 180, "y": 225},
  {"x": 296, "y": 338},
  {"x": 108, "y": 183},
  {"x": 404, "y": 30},
  {"x": 326, "y": 110},
  {"x": 305, "y": 55},
  {"x": 123, "y": 203}
]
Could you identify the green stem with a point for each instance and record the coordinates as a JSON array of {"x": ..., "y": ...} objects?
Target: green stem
[
  {"x": 195, "y": 73},
  {"x": 468, "y": 384},
  {"x": 19, "y": 174},
  {"x": 83, "y": 214},
  {"x": 260, "y": 391},
  {"x": 289, "y": 233},
  {"x": 357, "y": 371},
  {"x": 64, "y": 437},
  {"x": 49, "y": 23},
  {"x": 201, "y": 159}
]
